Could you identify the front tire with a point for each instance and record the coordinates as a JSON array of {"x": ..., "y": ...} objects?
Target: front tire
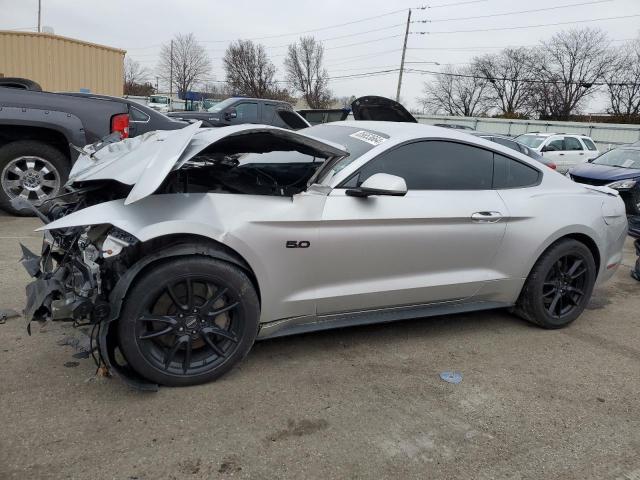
[
  {"x": 559, "y": 286},
  {"x": 188, "y": 321}
]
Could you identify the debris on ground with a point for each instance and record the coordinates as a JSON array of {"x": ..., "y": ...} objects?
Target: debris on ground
[
  {"x": 6, "y": 314},
  {"x": 451, "y": 377}
]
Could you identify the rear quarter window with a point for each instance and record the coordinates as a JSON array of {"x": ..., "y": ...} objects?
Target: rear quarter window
[
  {"x": 509, "y": 173},
  {"x": 589, "y": 144},
  {"x": 138, "y": 115}
]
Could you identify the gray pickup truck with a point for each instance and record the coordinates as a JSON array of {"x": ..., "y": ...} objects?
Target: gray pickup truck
[
  {"x": 38, "y": 129},
  {"x": 237, "y": 110}
]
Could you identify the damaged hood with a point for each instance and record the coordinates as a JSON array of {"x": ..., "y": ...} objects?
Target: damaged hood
[
  {"x": 380, "y": 109},
  {"x": 145, "y": 161}
]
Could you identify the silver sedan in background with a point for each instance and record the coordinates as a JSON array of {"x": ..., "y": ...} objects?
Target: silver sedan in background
[{"x": 185, "y": 247}]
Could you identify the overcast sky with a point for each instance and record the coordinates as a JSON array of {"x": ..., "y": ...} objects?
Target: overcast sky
[{"x": 140, "y": 26}]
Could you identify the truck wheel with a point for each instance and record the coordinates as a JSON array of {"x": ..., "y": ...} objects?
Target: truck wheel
[
  {"x": 188, "y": 321},
  {"x": 32, "y": 170},
  {"x": 559, "y": 286}
]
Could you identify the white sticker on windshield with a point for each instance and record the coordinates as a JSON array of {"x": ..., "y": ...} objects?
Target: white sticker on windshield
[
  {"x": 627, "y": 163},
  {"x": 368, "y": 137}
]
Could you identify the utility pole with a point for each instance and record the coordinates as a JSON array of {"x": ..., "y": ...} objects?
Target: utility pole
[
  {"x": 404, "y": 51},
  {"x": 171, "y": 70},
  {"x": 39, "y": 14},
  {"x": 157, "y": 84}
]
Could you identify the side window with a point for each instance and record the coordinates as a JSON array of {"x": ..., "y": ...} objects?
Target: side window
[
  {"x": 590, "y": 145},
  {"x": 555, "y": 145},
  {"x": 433, "y": 165},
  {"x": 247, "y": 113},
  {"x": 292, "y": 119},
  {"x": 268, "y": 112},
  {"x": 572, "y": 143},
  {"x": 138, "y": 115},
  {"x": 509, "y": 173}
]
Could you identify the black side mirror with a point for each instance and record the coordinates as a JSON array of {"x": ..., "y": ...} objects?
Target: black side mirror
[
  {"x": 230, "y": 114},
  {"x": 380, "y": 184}
]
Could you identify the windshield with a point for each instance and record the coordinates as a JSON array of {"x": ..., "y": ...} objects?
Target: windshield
[
  {"x": 619, "y": 158},
  {"x": 162, "y": 100},
  {"x": 531, "y": 141},
  {"x": 357, "y": 141},
  {"x": 221, "y": 106}
]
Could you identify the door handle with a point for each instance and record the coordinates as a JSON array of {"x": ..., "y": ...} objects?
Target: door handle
[
  {"x": 561, "y": 154},
  {"x": 581, "y": 153},
  {"x": 486, "y": 217}
]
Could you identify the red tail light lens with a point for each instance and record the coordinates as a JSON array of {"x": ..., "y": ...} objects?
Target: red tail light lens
[
  {"x": 120, "y": 123},
  {"x": 552, "y": 165}
]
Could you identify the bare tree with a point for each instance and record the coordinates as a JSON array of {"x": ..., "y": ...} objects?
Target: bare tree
[
  {"x": 623, "y": 81},
  {"x": 134, "y": 76},
  {"x": 306, "y": 74},
  {"x": 569, "y": 64},
  {"x": 190, "y": 63},
  {"x": 509, "y": 75},
  {"x": 345, "y": 102},
  {"x": 456, "y": 91},
  {"x": 213, "y": 90},
  {"x": 249, "y": 70}
]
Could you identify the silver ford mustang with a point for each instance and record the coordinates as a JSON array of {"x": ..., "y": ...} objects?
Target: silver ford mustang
[{"x": 184, "y": 247}]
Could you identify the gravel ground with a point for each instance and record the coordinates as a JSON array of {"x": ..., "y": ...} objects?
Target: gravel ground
[{"x": 363, "y": 402}]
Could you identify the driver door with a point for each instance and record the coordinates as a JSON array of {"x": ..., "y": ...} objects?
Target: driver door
[
  {"x": 246, "y": 112},
  {"x": 436, "y": 243}
]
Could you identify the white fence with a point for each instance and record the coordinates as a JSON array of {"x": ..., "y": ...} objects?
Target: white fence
[{"x": 606, "y": 135}]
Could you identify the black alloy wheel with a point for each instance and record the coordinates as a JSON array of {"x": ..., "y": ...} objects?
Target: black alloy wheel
[
  {"x": 559, "y": 285},
  {"x": 564, "y": 286},
  {"x": 189, "y": 321}
]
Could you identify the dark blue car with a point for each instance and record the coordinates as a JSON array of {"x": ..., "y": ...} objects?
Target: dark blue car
[{"x": 619, "y": 169}]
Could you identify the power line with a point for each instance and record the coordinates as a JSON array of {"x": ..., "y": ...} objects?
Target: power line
[
  {"x": 522, "y": 80},
  {"x": 455, "y": 4},
  {"x": 482, "y": 47},
  {"x": 528, "y": 26},
  {"x": 290, "y": 34},
  {"x": 514, "y": 13},
  {"x": 344, "y": 36},
  {"x": 363, "y": 43},
  {"x": 342, "y": 60}
]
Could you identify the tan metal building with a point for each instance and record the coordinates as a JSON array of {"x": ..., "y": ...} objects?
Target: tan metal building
[{"x": 61, "y": 64}]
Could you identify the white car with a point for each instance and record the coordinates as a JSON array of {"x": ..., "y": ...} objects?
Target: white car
[
  {"x": 183, "y": 247},
  {"x": 565, "y": 150}
]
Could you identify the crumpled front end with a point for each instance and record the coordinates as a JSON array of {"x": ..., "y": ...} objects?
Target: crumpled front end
[
  {"x": 68, "y": 278},
  {"x": 73, "y": 277}
]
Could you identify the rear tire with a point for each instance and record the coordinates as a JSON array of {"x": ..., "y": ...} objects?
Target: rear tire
[
  {"x": 559, "y": 285},
  {"x": 188, "y": 321},
  {"x": 31, "y": 169}
]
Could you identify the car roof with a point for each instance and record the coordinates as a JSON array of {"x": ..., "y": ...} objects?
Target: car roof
[
  {"x": 270, "y": 100},
  {"x": 403, "y": 129},
  {"x": 406, "y": 131},
  {"x": 549, "y": 134}
]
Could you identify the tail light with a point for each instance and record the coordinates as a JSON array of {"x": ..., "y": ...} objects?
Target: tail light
[
  {"x": 552, "y": 165},
  {"x": 120, "y": 123}
]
